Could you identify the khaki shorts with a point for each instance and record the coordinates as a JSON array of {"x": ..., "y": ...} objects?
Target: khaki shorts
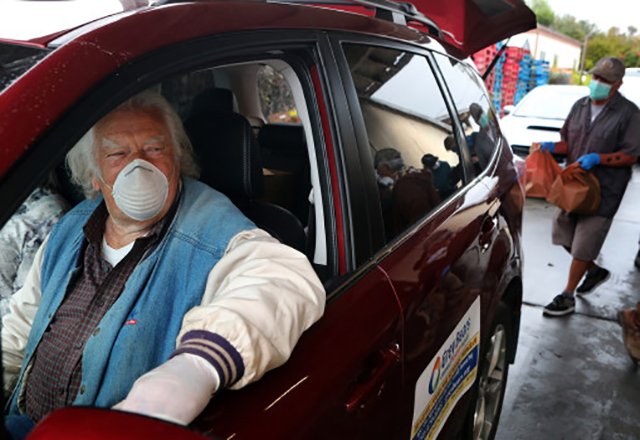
[{"x": 583, "y": 235}]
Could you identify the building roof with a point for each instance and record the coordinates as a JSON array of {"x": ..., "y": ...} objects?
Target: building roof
[{"x": 557, "y": 35}]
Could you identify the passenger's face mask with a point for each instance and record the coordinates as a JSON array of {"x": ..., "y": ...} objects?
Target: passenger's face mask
[
  {"x": 484, "y": 121},
  {"x": 599, "y": 90},
  {"x": 140, "y": 190},
  {"x": 396, "y": 164}
]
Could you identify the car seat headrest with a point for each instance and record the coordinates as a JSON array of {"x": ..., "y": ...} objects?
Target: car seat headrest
[
  {"x": 213, "y": 99},
  {"x": 282, "y": 137},
  {"x": 228, "y": 153}
]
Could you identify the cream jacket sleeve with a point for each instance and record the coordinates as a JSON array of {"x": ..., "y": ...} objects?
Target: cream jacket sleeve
[
  {"x": 16, "y": 325},
  {"x": 259, "y": 299}
]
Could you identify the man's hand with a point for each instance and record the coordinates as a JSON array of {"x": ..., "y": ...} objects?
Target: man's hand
[
  {"x": 544, "y": 146},
  {"x": 176, "y": 391},
  {"x": 588, "y": 161}
]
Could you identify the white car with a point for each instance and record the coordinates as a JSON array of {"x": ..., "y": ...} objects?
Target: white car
[
  {"x": 631, "y": 85},
  {"x": 539, "y": 116}
]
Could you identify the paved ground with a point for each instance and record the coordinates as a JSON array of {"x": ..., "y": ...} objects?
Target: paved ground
[{"x": 572, "y": 378}]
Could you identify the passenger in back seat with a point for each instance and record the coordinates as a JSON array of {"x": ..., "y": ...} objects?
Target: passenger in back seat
[
  {"x": 154, "y": 295},
  {"x": 22, "y": 235}
]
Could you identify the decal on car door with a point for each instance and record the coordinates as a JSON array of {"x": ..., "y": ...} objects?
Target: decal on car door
[{"x": 449, "y": 375}]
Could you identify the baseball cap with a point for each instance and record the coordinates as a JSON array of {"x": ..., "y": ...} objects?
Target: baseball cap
[
  {"x": 610, "y": 68},
  {"x": 429, "y": 160}
]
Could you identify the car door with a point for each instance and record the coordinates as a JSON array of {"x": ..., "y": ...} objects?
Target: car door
[
  {"x": 499, "y": 260},
  {"x": 344, "y": 379},
  {"x": 435, "y": 260}
]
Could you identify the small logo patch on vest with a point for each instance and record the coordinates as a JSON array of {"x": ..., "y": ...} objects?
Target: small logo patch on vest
[{"x": 131, "y": 320}]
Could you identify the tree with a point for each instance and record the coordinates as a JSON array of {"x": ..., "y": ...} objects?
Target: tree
[
  {"x": 543, "y": 11},
  {"x": 613, "y": 43},
  {"x": 570, "y": 26},
  {"x": 601, "y": 44}
]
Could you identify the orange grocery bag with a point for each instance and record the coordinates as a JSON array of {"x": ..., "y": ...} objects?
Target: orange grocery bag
[
  {"x": 576, "y": 191},
  {"x": 541, "y": 172}
]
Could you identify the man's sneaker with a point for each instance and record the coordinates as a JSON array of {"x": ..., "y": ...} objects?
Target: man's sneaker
[
  {"x": 560, "y": 306},
  {"x": 591, "y": 281}
]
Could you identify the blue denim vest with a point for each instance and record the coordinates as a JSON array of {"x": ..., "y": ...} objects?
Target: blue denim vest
[{"x": 139, "y": 331}]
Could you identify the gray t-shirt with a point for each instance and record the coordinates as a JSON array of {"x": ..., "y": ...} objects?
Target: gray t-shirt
[
  {"x": 615, "y": 129},
  {"x": 595, "y": 111}
]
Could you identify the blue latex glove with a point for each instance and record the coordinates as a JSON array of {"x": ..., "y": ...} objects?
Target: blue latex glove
[
  {"x": 588, "y": 161},
  {"x": 548, "y": 146}
]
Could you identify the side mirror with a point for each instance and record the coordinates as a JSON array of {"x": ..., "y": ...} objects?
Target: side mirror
[{"x": 508, "y": 109}]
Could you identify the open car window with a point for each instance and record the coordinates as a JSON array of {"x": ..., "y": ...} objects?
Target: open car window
[{"x": 268, "y": 95}]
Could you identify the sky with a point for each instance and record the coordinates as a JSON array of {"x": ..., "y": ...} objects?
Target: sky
[
  {"x": 603, "y": 13},
  {"x": 23, "y": 20}
]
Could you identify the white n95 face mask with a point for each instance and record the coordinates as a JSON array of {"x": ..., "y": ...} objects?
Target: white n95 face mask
[{"x": 140, "y": 190}]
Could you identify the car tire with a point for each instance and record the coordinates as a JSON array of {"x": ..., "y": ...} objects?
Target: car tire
[{"x": 493, "y": 371}]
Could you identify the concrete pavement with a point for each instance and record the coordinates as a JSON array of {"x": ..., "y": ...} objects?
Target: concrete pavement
[{"x": 573, "y": 378}]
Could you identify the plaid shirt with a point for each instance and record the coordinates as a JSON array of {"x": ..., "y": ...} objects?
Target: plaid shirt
[{"x": 56, "y": 377}]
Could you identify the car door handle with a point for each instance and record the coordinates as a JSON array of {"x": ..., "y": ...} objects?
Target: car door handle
[
  {"x": 486, "y": 234},
  {"x": 373, "y": 386}
]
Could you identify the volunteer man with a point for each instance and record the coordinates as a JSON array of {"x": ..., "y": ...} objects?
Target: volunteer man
[
  {"x": 602, "y": 134},
  {"x": 154, "y": 295}
]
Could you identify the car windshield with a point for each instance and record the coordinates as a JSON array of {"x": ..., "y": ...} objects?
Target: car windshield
[
  {"x": 15, "y": 60},
  {"x": 631, "y": 88},
  {"x": 550, "y": 102},
  {"x": 632, "y": 71}
]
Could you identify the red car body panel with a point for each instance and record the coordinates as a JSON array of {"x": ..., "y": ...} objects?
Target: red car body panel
[
  {"x": 475, "y": 24},
  {"x": 470, "y": 25},
  {"x": 292, "y": 401},
  {"x": 92, "y": 423},
  {"x": 94, "y": 55},
  {"x": 438, "y": 273}
]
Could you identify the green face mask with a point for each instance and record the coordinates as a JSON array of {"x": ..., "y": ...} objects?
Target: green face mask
[
  {"x": 599, "y": 90},
  {"x": 484, "y": 121}
]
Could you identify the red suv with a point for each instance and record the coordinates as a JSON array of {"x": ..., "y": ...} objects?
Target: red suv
[{"x": 379, "y": 155}]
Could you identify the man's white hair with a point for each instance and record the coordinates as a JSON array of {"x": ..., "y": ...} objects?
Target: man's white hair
[{"x": 82, "y": 160}]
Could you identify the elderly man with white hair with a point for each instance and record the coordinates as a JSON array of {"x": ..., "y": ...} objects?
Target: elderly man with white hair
[{"x": 156, "y": 291}]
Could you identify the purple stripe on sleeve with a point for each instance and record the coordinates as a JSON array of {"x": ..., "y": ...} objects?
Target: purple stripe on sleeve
[{"x": 192, "y": 343}]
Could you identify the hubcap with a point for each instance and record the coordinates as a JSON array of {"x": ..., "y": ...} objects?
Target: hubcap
[{"x": 491, "y": 385}]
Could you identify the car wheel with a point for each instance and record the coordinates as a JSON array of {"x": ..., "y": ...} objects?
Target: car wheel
[{"x": 493, "y": 373}]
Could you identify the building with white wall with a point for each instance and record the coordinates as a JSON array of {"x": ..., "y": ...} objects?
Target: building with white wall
[{"x": 561, "y": 51}]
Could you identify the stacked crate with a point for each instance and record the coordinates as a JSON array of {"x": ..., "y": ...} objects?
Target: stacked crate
[
  {"x": 522, "y": 86},
  {"x": 511, "y": 71},
  {"x": 533, "y": 73},
  {"x": 515, "y": 74},
  {"x": 482, "y": 60},
  {"x": 539, "y": 74},
  {"x": 496, "y": 90}
]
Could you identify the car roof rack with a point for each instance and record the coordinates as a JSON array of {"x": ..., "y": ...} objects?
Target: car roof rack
[{"x": 396, "y": 12}]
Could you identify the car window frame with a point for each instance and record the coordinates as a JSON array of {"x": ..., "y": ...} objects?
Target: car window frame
[
  {"x": 379, "y": 250},
  {"x": 499, "y": 137},
  {"x": 151, "y": 69}
]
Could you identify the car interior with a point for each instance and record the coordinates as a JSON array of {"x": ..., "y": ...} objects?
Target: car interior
[{"x": 249, "y": 127}]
